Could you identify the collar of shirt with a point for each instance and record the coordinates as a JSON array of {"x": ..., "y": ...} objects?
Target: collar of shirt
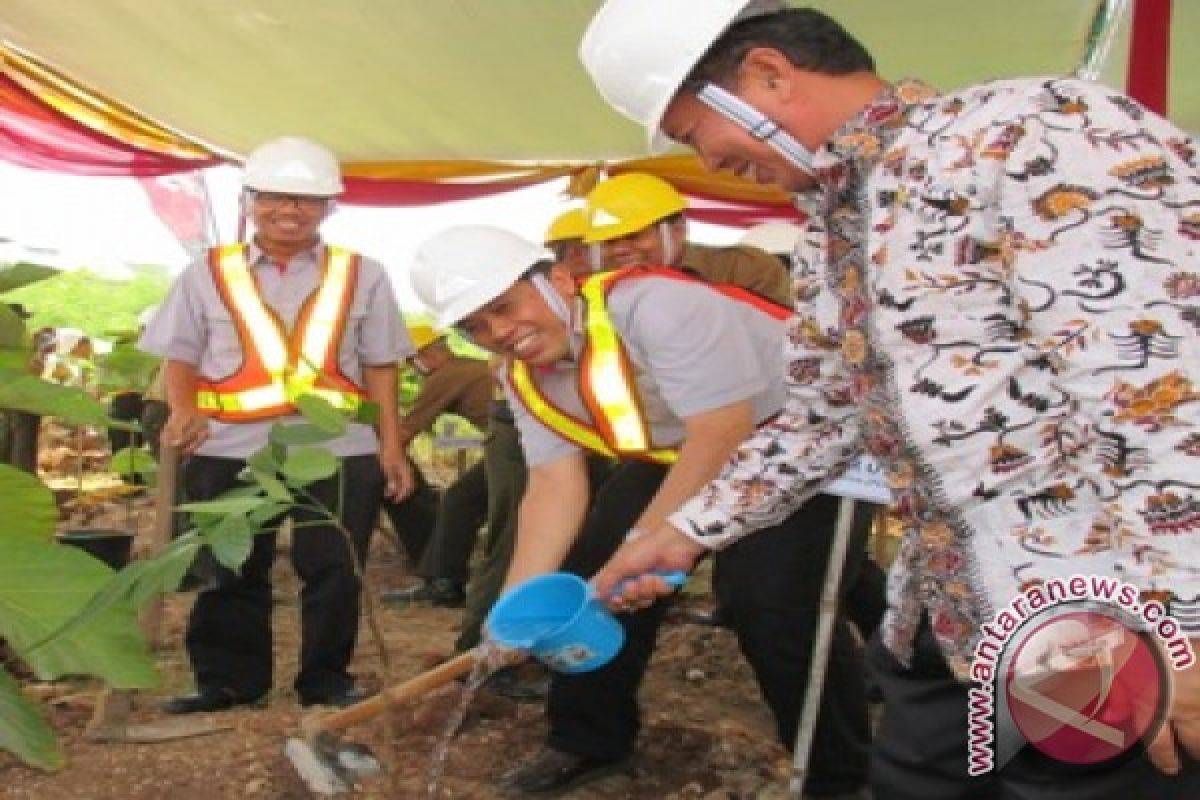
[
  {"x": 855, "y": 148},
  {"x": 300, "y": 262}
]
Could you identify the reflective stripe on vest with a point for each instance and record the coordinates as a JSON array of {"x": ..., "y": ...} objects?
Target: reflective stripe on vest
[
  {"x": 276, "y": 369},
  {"x": 606, "y": 379}
]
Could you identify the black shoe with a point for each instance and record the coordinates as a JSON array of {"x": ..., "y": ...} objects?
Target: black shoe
[
  {"x": 714, "y": 618},
  {"x": 552, "y": 771},
  {"x": 520, "y": 682},
  {"x": 443, "y": 592},
  {"x": 338, "y": 699},
  {"x": 209, "y": 700}
]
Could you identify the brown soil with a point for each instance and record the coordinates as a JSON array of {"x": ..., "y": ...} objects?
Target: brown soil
[{"x": 706, "y": 735}]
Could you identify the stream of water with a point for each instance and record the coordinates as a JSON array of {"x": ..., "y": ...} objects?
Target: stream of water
[{"x": 483, "y": 668}]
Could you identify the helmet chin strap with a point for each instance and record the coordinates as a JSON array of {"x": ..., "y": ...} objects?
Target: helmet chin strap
[
  {"x": 553, "y": 299},
  {"x": 757, "y": 124},
  {"x": 669, "y": 250},
  {"x": 595, "y": 254}
]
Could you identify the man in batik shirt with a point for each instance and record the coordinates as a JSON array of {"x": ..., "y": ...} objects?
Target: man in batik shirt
[{"x": 1007, "y": 320}]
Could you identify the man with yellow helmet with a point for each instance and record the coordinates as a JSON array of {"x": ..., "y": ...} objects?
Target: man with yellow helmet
[
  {"x": 565, "y": 239},
  {"x": 638, "y": 220}
]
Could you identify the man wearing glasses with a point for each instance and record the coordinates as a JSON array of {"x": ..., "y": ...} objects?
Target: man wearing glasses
[{"x": 244, "y": 333}]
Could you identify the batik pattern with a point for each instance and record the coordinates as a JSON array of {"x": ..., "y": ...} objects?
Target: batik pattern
[{"x": 1002, "y": 307}]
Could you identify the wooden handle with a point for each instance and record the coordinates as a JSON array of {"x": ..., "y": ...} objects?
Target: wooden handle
[
  {"x": 164, "y": 498},
  {"x": 392, "y": 696},
  {"x": 164, "y": 504}
]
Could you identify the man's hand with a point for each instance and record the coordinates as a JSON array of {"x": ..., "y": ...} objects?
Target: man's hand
[
  {"x": 397, "y": 473},
  {"x": 186, "y": 430},
  {"x": 1181, "y": 730},
  {"x": 626, "y": 582}
]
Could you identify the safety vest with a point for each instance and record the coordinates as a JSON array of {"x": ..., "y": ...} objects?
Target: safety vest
[
  {"x": 278, "y": 368},
  {"x": 606, "y": 377}
]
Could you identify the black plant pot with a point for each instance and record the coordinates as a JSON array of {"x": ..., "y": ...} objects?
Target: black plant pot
[{"x": 113, "y": 547}]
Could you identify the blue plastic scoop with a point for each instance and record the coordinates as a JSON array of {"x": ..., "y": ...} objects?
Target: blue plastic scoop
[{"x": 558, "y": 618}]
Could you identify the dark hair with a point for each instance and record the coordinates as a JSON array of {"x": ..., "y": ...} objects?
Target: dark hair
[
  {"x": 559, "y": 248},
  {"x": 810, "y": 40}
]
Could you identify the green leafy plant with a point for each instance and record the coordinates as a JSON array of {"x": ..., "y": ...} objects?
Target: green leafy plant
[{"x": 64, "y": 613}]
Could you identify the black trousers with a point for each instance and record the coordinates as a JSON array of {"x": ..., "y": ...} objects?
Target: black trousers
[
  {"x": 769, "y": 583},
  {"x": 414, "y": 518},
  {"x": 229, "y": 631},
  {"x": 460, "y": 515},
  {"x": 921, "y": 746}
]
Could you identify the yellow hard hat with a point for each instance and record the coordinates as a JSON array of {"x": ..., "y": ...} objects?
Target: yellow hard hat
[
  {"x": 423, "y": 335},
  {"x": 571, "y": 224},
  {"x": 629, "y": 203}
]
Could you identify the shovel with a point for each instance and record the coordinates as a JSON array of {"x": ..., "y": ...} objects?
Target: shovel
[
  {"x": 328, "y": 765},
  {"x": 110, "y": 717}
]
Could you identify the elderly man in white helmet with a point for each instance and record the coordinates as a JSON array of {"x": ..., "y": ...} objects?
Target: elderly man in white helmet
[
  {"x": 666, "y": 373},
  {"x": 1007, "y": 321},
  {"x": 245, "y": 332}
]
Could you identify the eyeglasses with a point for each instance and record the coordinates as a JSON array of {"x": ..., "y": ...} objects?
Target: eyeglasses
[{"x": 277, "y": 200}]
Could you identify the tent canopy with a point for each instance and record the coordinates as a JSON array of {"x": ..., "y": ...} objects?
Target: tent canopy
[{"x": 441, "y": 91}]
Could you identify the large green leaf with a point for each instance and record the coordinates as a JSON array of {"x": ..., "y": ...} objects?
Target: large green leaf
[
  {"x": 264, "y": 460},
  {"x": 23, "y": 273},
  {"x": 305, "y": 465},
  {"x": 74, "y": 406},
  {"x": 29, "y": 506},
  {"x": 225, "y": 505},
  {"x": 267, "y": 512},
  {"x": 299, "y": 434},
  {"x": 12, "y": 329},
  {"x": 42, "y": 586},
  {"x": 14, "y": 359},
  {"x": 273, "y": 487},
  {"x": 125, "y": 367},
  {"x": 368, "y": 413},
  {"x": 130, "y": 461},
  {"x": 321, "y": 413},
  {"x": 138, "y": 582},
  {"x": 231, "y": 540},
  {"x": 23, "y": 731}
]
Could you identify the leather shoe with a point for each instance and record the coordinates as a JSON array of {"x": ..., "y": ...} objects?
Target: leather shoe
[
  {"x": 443, "y": 592},
  {"x": 520, "y": 682},
  {"x": 716, "y": 617},
  {"x": 552, "y": 772},
  {"x": 208, "y": 700},
  {"x": 340, "y": 698}
]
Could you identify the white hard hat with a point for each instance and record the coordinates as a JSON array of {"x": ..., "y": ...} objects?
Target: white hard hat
[
  {"x": 639, "y": 52},
  {"x": 778, "y": 238},
  {"x": 461, "y": 269},
  {"x": 293, "y": 165}
]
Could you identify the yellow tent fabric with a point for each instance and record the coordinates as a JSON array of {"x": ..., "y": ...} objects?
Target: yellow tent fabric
[{"x": 470, "y": 90}]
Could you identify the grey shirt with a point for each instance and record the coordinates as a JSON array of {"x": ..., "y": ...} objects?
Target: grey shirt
[
  {"x": 692, "y": 349},
  {"x": 194, "y": 326}
]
